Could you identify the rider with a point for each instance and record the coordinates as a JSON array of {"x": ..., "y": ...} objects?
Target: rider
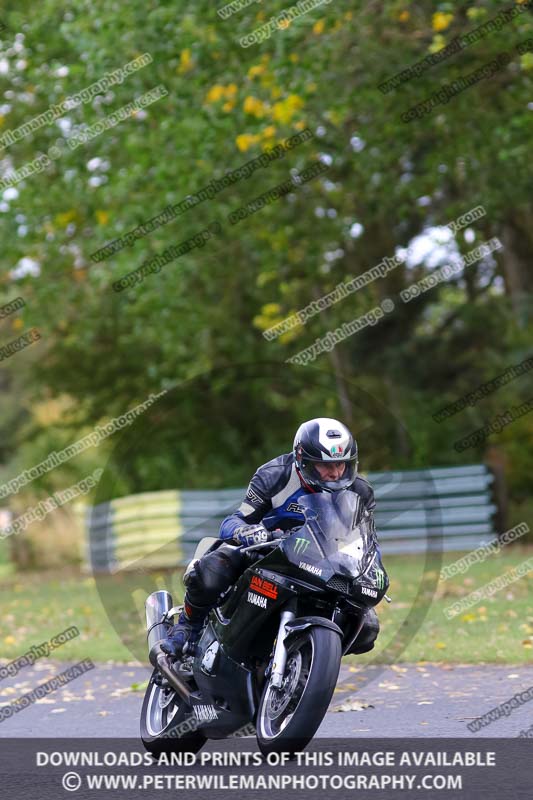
[{"x": 323, "y": 459}]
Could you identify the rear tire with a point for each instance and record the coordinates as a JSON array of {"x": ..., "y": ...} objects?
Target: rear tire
[
  {"x": 167, "y": 723},
  {"x": 288, "y": 718}
]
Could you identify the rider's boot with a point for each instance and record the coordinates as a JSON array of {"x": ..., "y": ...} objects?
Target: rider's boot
[{"x": 184, "y": 636}]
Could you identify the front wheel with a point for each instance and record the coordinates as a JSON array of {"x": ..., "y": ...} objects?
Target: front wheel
[
  {"x": 288, "y": 718},
  {"x": 167, "y": 724}
]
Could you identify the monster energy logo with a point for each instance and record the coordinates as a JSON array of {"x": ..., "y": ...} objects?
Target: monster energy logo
[
  {"x": 380, "y": 578},
  {"x": 300, "y": 545}
]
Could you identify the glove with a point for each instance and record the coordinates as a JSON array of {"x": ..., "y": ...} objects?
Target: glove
[{"x": 248, "y": 535}]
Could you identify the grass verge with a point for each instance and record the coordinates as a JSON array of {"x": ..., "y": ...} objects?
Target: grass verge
[{"x": 110, "y": 613}]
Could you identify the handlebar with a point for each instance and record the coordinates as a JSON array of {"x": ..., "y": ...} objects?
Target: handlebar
[{"x": 281, "y": 535}]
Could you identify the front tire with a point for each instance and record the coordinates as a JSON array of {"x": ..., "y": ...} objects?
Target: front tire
[
  {"x": 167, "y": 723},
  {"x": 288, "y": 718}
]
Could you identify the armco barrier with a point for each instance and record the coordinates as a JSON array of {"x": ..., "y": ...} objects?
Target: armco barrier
[{"x": 449, "y": 508}]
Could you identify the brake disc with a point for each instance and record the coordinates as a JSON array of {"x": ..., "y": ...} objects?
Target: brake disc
[{"x": 280, "y": 698}]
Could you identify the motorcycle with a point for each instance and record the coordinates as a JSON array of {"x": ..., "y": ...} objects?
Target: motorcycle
[{"x": 269, "y": 655}]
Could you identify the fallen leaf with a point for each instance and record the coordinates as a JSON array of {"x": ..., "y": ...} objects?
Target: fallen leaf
[{"x": 352, "y": 705}]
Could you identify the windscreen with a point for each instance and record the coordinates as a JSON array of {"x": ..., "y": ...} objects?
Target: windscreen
[{"x": 331, "y": 518}]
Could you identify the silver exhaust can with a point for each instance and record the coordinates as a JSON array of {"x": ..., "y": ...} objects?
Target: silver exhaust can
[{"x": 157, "y": 605}]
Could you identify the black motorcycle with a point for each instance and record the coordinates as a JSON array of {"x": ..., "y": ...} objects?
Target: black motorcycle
[{"x": 270, "y": 652}]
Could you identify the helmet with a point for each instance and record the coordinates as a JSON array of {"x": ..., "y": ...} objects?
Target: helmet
[{"x": 325, "y": 440}]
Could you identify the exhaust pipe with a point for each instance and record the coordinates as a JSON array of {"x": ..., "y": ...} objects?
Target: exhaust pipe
[{"x": 157, "y": 606}]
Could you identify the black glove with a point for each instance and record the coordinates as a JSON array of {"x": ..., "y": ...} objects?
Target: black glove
[{"x": 252, "y": 534}]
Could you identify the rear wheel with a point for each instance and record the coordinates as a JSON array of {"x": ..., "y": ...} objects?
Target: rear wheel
[
  {"x": 289, "y": 717},
  {"x": 167, "y": 722}
]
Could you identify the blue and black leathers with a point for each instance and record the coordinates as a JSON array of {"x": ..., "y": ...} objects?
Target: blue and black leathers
[{"x": 272, "y": 499}]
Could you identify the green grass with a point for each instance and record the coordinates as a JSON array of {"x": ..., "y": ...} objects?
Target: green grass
[{"x": 110, "y": 614}]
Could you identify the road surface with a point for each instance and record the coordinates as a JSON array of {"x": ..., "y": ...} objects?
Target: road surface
[{"x": 408, "y": 700}]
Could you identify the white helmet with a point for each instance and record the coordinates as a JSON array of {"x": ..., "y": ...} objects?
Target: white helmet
[{"x": 321, "y": 440}]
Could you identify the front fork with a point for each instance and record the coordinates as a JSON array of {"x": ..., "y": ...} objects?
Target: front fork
[{"x": 279, "y": 660}]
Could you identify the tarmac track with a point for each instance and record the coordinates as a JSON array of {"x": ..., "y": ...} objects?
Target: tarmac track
[{"x": 407, "y": 700}]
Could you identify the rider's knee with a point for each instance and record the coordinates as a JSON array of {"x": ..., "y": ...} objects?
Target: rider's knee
[{"x": 213, "y": 574}]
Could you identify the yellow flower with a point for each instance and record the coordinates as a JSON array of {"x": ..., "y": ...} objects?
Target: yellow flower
[
  {"x": 102, "y": 217},
  {"x": 526, "y": 61},
  {"x": 284, "y": 24},
  {"x": 404, "y": 16},
  {"x": 271, "y": 309},
  {"x": 299, "y": 125},
  {"x": 275, "y": 92},
  {"x": 294, "y": 57},
  {"x": 10, "y": 640},
  {"x": 258, "y": 69},
  {"x": 441, "y": 21},
  {"x": 269, "y": 131},
  {"x": 185, "y": 61},
  {"x": 245, "y": 140},
  {"x": 288, "y": 336},
  {"x": 64, "y": 219},
  {"x": 437, "y": 44},
  {"x": 254, "y": 106},
  {"x": 229, "y": 106},
  {"x": 17, "y": 324},
  {"x": 333, "y": 116},
  {"x": 319, "y": 26},
  {"x": 267, "y": 79},
  {"x": 285, "y": 109},
  {"x": 215, "y": 93}
]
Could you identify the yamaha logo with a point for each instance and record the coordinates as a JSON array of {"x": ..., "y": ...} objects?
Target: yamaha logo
[
  {"x": 310, "y": 568},
  {"x": 205, "y": 713},
  {"x": 257, "y": 600}
]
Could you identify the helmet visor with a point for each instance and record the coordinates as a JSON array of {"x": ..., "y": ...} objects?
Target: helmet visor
[{"x": 329, "y": 475}]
